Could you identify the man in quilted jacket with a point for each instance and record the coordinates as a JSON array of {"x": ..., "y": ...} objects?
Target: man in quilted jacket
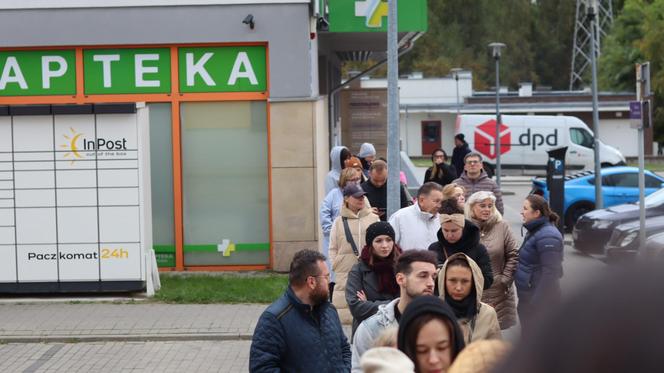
[{"x": 301, "y": 331}]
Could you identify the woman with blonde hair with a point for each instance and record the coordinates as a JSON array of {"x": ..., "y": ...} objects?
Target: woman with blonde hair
[
  {"x": 330, "y": 208},
  {"x": 346, "y": 237},
  {"x": 500, "y": 243},
  {"x": 456, "y": 192}
]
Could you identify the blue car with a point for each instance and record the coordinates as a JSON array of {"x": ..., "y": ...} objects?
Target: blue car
[{"x": 619, "y": 185}]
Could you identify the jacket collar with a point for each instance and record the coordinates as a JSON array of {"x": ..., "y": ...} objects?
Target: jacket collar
[
  {"x": 534, "y": 225},
  {"x": 423, "y": 214},
  {"x": 483, "y": 175},
  {"x": 302, "y": 307}
]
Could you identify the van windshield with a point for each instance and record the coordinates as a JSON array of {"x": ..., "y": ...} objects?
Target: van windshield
[{"x": 581, "y": 137}]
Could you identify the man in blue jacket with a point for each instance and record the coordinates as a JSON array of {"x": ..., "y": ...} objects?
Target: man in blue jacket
[{"x": 301, "y": 331}]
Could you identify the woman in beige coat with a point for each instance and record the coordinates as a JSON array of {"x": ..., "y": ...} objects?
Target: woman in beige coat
[
  {"x": 344, "y": 254},
  {"x": 460, "y": 283},
  {"x": 503, "y": 249}
]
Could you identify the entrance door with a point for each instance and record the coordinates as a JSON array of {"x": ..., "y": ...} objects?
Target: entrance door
[{"x": 430, "y": 136}]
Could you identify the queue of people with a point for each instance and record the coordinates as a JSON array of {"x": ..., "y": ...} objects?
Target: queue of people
[{"x": 439, "y": 277}]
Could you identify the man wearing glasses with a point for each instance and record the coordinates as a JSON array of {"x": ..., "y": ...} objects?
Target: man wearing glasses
[
  {"x": 475, "y": 179},
  {"x": 301, "y": 331}
]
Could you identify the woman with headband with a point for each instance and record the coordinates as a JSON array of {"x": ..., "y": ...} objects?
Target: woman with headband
[{"x": 458, "y": 235}]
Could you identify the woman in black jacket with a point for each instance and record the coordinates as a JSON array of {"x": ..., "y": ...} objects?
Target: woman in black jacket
[
  {"x": 441, "y": 172},
  {"x": 371, "y": 282},
  {"x": 458, "y": 235}
]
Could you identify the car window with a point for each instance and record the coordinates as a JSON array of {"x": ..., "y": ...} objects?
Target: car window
[
  {"x": 581, "y": 137},
  {"x": 652, "y": 182},
  {"x": 630, "y": 180},
  {"x": 606, "y": 181}
]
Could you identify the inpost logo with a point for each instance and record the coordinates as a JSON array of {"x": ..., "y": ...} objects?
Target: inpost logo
[
  {"x": 71, "y": 145},
  {"x": 74, "y": 150},
  {"x": 373, "y": 11}
]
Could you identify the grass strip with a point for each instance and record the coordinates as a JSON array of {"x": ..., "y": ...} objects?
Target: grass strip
[{"x": 221, "y": 288}]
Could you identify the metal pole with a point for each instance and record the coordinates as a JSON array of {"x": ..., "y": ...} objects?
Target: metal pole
[
  {"x": 640, "y": 96},
  {"x": 599, "y": 203},
  {"x": 456, "y": 71},
  {"x": 498, "y": 168},
  {"x": 393, "y": 159}
]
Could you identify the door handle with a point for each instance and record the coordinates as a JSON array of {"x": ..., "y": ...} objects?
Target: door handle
[{"x": 572, "y": 152}]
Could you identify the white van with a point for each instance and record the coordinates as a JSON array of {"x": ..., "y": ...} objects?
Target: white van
[{"x": 525, "y": 140}]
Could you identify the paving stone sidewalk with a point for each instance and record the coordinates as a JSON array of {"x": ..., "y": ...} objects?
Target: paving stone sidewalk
[{"x": 87, "y": 322}]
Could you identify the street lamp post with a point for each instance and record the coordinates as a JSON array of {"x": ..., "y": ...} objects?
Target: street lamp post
[
  {"x": 495, "y": 50},
  {"x": 592, "y": 17},
  {"x": 455, "y": 71}
]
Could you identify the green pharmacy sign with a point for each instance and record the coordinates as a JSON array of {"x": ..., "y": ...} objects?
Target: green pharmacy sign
[
  {"x": 134, "y": 71},
  {"x": 371, "y": 15},
  {"x": 32, "y": 73}
]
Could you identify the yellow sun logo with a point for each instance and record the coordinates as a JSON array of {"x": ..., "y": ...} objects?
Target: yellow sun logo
[{"x": 71, "y": 145}]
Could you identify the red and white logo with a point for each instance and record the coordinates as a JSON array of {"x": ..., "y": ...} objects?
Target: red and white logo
[{"x": 485, "y": 139}]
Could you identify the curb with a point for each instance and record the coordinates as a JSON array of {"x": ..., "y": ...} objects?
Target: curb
[{"x": 125, "y": 338}]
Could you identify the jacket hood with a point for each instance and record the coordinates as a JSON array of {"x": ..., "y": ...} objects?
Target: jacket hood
[
  {"x": 335, "y": 157},
  {"x": 469, "y": 238},
  {"x": 478, "y": 278},
  {"x": 429, "y": 304},
  {"x": 385, "y": 313}
]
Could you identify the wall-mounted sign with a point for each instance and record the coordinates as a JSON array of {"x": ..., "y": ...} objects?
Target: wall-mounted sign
[
  {"x": 134, "y": 71},
  {"x": 32, "y": 73},
  {"x": 371, "y": 15}
]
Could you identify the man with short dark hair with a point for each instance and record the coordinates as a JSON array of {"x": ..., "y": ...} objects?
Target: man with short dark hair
[
  {"x": 460, "y": 150},
  {"x": 376, "y": 188},
  {"x": 416, "y": 226},
  {"x": 475, "y": 179},
  {"x": 301, "y": 331},
  {"x": 416, "y": 275}
]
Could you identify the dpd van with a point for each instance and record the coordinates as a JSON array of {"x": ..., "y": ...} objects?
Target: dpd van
[{"x": 525, "y": 139}]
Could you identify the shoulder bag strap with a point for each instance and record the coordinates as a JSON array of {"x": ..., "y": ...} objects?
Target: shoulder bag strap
[{"x": 349, "y": 236}]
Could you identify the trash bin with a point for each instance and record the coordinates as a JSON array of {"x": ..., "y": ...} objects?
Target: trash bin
[{"x": 555, "y": 181}]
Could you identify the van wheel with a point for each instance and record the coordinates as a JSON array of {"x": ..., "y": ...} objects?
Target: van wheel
[
  {"x": 575, "y": 211},
  {"x": 488, "y": 169}
]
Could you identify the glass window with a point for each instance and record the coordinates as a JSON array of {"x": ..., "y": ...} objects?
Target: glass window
[
  {"x": 606, "y": 181},
  {"x": 652, "y": 182},
  {"x": 626, "y": 180},
  {"x": 581, "y": 137},
  {"x": 161, "y": 168},
  {"x": 225, "y": 183}
]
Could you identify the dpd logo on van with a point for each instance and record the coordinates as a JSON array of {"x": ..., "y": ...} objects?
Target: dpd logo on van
[{"x": 485, "y": 139}]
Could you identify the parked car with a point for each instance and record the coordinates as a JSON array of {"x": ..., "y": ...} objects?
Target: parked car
[
  {"x": 619, "y": 185},
  {"x": 655, "y": 245},
  {"x": 593, "y": 230},
  {"x": 624, "y": 242}
]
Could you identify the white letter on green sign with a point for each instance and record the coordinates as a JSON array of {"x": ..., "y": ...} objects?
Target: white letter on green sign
[
  {"x": 194, "y": 68},
  {"x": 140, "y": 70},
  {"x": 6, "y": 77},
  {"x": 106, "y": 60},
  {"x": 242, "y": 60},
  {"x": 47, "y": 73}
]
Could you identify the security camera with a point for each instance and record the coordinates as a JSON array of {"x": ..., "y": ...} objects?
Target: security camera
[
  {"x": 322, "y": 24},
  {"x": 249, "y": 20}
]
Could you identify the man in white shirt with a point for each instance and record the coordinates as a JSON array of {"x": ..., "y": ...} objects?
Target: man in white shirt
[{"x": 416, "y": 226}]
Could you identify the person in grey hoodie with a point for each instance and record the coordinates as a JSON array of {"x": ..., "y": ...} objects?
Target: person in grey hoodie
[
  {"x": 367, "y": 155},
  {"x": 338, "y": 155},
  {"x": 415, "y": 275},
  {"x": 475, "y": 179}
]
